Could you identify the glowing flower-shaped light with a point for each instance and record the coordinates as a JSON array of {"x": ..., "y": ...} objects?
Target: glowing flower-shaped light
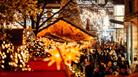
[
  {"x": 63, "y": 53},
  {"x": 55, "y": 58},
  {"x": 72, "y": 55}
]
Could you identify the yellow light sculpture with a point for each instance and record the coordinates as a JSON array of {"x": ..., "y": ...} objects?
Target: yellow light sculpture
[
  {"x": 63, "y": 54},
  {"x": 71, "y": 55},
  {"x": 55, "y": 58}
]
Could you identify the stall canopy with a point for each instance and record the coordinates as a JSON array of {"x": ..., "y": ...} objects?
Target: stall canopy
[{"x": 62, "y": 30}]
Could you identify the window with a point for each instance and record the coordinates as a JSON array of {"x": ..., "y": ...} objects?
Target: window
[
  {"x": 101, "y": 1},
  {"x": 119, "y": 15}
]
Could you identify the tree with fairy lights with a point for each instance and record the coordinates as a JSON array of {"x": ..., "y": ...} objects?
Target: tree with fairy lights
[
  {"x": 13, "y": 58},
  {"x": 6, "y": 50}
]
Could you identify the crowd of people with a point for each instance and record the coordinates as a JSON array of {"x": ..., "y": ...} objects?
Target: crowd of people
[{"x": 105, "y": 59}]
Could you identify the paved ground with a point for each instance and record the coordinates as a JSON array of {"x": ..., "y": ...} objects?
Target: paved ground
[
  {"x": 132, "y": 75},
  {"x": 34, "y": 74},
  {"x": 46, "y": 74}
]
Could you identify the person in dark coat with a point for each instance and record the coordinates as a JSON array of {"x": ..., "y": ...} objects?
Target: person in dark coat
[{"x": 88, "y": 68}]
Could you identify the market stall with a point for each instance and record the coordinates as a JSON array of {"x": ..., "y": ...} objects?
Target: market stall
[{"x": 65, "y": 42}]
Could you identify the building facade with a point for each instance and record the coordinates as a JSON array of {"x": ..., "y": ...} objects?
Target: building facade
[{"x": 131, "y": 24}]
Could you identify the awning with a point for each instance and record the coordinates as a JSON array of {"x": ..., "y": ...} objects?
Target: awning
[{"x": 66, "y": 31}]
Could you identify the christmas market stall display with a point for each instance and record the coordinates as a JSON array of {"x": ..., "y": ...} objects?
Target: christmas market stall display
[
  {"x": 13, "y": 55},
  {"x": 58, "y": 46},
  {"x": 65, "y": 43}
]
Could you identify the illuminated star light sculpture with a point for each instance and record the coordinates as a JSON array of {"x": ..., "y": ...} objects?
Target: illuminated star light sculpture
[{"x": 63, "y": 54}]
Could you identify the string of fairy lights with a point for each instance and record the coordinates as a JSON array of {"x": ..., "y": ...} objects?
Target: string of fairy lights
[
  {"x": 14, "y": 60},
  {"x": 97, "y": 17}
]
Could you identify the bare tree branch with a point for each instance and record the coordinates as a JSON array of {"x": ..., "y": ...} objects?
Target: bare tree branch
[{"x": 54, "y": 14}]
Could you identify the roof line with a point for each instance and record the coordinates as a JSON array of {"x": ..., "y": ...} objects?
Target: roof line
[{"x": 69, "y": 23}]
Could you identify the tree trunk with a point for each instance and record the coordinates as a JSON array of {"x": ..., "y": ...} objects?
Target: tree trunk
[
  {"x": 24, "y": 22},
  {"x": 32, "y": 22}
]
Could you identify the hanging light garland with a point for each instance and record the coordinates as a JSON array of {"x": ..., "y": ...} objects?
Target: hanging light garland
[{"x": 99, "y": 20}]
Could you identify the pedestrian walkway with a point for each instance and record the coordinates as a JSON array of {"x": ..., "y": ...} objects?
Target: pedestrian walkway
[
  {"x": 132, "y": 75},
  {"x": 34, "y": 74}
]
